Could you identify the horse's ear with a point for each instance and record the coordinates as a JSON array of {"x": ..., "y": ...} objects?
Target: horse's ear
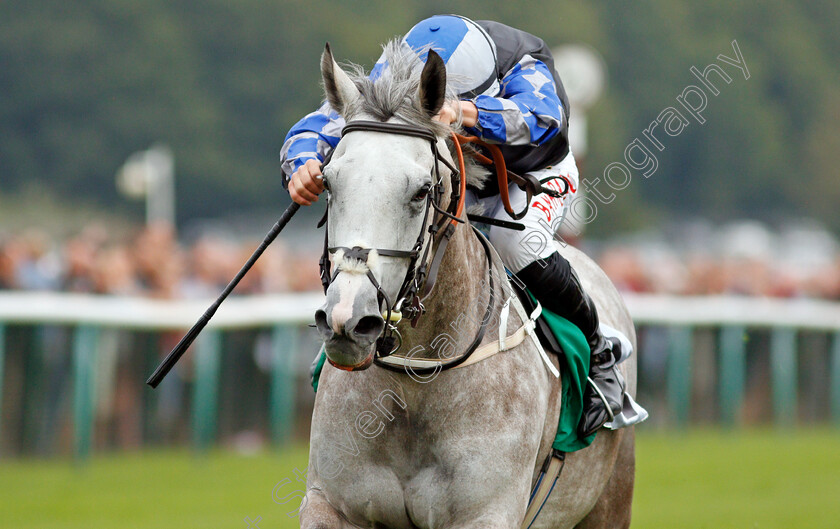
[
  {"x": 433, "y": 84},
  {"x": 340, "y": 89}
]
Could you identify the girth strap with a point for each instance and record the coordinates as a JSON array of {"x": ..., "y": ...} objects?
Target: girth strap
[{"x": 551, "y": 469}]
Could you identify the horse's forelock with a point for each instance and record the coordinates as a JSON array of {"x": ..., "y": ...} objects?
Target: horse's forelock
[{"x": 395, "y": 94}]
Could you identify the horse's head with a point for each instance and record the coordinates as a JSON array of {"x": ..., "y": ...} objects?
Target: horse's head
[{"x": 379, "y": 207}]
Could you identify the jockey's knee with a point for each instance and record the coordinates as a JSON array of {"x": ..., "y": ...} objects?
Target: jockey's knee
[
  {"x": 536, "y": 242},
  {"x": 542, "y": 221}
]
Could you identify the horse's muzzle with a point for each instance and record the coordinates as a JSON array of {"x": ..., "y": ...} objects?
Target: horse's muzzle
[
  {"x": 361, "y": 366},
  {"x": 351, "y": 348},
  {"x": 350, "y": 321}
]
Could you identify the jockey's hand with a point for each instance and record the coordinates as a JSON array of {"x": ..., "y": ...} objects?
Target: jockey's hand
[
  {"x": 307, "y": 183},
  {"x": 452, "y": 110}
]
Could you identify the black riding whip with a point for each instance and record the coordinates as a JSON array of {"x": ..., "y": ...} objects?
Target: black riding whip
[{"x": 188, "y": 338}]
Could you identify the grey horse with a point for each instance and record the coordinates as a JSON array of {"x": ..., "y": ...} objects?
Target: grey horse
[{"x": 458, "y": 448}]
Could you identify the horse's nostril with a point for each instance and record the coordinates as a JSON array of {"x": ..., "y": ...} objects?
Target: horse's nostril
[
  {"x": 321, "y": 324},
  {"x": 369, "y": 327}
]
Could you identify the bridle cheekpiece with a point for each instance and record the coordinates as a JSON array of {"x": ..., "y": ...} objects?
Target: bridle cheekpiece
[{"x": 420, "y": 279}]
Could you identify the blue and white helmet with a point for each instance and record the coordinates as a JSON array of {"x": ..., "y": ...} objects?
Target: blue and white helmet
[{"x": 466, "y": 49}]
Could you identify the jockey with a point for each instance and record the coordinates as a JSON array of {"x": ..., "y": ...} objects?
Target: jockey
[{"x": 510, "y": 95}]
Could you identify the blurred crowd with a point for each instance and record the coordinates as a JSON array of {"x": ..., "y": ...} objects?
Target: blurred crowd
[
  {"x": 152, "y": 263},
  {"x": 698, "y": 275},
  {"x": 748, "y": 258},
  {"x": 745, "y": 259}
]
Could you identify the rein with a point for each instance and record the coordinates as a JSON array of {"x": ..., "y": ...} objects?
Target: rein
[{"x": 528, "y": 182}]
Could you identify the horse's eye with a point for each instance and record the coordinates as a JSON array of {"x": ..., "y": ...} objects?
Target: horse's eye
[
  {"x": 422, "y": 193},
  {"x": 325, "y": 182}
]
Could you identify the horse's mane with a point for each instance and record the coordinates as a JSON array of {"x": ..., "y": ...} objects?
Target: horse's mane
[{"x": 394, "y": 95}]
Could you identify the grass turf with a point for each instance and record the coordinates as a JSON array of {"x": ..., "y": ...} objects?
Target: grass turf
[{"x": 697, "y": 479}]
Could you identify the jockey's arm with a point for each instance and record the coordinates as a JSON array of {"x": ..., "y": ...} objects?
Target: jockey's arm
[
  {"x": 304, "y": 150},
  {"x": 528, "y": 110}
]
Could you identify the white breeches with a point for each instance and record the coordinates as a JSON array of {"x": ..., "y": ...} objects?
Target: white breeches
[{"x": 518, "y": 249}]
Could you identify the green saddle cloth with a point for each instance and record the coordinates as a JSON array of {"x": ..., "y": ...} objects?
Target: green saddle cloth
[{"x": 574, "y": 368}]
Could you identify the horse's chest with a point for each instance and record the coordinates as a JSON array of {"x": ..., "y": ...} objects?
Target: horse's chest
[
  {"x": 411, "y": 475},
  {"x": 398, "y": 497},
  {"x": 423, "y": 460}
]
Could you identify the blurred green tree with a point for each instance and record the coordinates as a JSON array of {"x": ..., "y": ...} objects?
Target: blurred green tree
[{"x": 84, "y": 84}]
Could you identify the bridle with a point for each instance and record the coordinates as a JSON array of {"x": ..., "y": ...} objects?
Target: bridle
[{"x": 420, "y": 279}]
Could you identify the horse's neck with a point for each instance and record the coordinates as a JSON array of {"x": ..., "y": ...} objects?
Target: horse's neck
[{"x": 459, "y": 299}]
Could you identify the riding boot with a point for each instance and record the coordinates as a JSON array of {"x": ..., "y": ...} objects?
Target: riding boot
[{"x": 556, "y": 286}]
